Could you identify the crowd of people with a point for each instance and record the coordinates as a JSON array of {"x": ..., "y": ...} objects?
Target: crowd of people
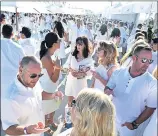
[{"x": 119, "y": 58}]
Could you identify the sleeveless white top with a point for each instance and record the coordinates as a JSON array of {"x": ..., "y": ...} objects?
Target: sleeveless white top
[
  {"x": 47, "y": 84},
  {"x": 103, "y": 72}
]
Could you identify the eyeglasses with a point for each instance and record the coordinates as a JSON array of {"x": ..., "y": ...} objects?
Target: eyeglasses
[
  {"x": 36, "y": 75},
  {"x": 145, "y": 60},
  {"x": 73, "y": 103}
]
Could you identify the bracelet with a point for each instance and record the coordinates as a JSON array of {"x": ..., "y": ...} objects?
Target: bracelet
[{"x": 25, "y": 131}]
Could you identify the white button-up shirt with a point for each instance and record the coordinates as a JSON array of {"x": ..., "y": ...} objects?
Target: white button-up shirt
[
  {"x": 22, "y": 106},
  {"x": 131, "y": 95},
  {"x": 11, "y": 55}
]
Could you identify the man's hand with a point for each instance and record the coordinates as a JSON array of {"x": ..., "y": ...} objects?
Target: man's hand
[
  {"x": 128, "y": 125},
  {"x": 35, "y": 129}
]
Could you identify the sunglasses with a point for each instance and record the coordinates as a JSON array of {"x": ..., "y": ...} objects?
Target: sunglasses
[
  {"x": 35, "y": 75},
  {"x": 73, "y": 103},
  {"x": 145, "y": 60}
]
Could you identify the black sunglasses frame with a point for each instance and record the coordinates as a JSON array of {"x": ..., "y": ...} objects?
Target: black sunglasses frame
[
  {"x": 32, "y": 76},
  {"x": 145, "y": 60}
]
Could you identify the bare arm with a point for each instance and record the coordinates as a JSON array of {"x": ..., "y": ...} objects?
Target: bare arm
[
  {"x": 145, "y": 115},
  {"x": 52, "y": 68},
  {"x": 15, "y": 130},
  {"x": 93, "y": 82},
  {"x": 19, "y": 130},
  {"x": 47, "y": 96}
]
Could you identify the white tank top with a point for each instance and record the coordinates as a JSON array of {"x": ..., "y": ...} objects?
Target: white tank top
[
  {"x": 47, "y": 84},
  {"x": 103, "y": 72}
]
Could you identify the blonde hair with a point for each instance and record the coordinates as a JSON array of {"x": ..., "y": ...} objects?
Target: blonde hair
[
  {"x": 94, "y": 114},
  {"x": 110, "y": 53},
  {"x": 155, "y": 73},
  {"x": 130, "y": 52}
]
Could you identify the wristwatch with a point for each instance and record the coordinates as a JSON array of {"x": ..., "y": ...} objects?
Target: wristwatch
[{"x": 135, "y": 125}]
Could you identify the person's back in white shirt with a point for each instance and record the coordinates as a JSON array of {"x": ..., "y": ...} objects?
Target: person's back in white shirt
[
  {"x": 11, "y": 55},
  {"x": 28, "y": 46}
]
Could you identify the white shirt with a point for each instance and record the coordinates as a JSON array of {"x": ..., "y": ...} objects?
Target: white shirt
[
  {"x": 11, "y": 55},
  {"x": 131, "y": 95},
  {"x": 22, "y": 106},
  {"x": 151, "y": 129},
  {"x": 28, "y": 46},
  {"x": 153, "y": 65}
]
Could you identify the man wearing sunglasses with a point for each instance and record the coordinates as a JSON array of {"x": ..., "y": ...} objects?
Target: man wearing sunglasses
[
  {"x": 134, "y": 92},
  {"x": 23, "y": 103}
]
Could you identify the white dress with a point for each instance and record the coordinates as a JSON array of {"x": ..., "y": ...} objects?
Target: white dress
[
  {"x": 48, "y": 86},
  {"x": 74, "y": 85}
]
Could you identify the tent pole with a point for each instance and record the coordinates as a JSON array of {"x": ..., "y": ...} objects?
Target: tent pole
[{"x": 16, "y": 15}]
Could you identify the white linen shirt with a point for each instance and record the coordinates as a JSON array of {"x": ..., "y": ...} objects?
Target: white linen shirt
[
  {"x": 131, "y": 95},
  {"x": 11, "y": 55},
  {"x": 22, "y": 106}
]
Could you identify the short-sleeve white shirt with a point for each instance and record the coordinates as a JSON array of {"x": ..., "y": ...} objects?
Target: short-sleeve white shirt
[
  {"x": 22, "y": 106},
  {"x": 131, "y": 95}
]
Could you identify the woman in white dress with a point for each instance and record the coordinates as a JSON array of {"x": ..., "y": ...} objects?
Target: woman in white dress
[
  {"x": 107, "y": 55},
  {"x": 50, "y": 79},
  {"x": 79, "y": 63}
]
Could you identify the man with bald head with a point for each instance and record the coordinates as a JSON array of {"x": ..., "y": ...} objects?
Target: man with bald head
[{"x": 23, "y": 102}]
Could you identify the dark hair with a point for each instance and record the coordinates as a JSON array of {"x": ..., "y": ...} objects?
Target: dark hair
[
  {"x": 26, "y": 31},
  {"x": 139, "y": 34},
  {"x": 85, "y": 50},
  {"x": 60, "y": 29},
  {"x": 115, "y": 32},
  {"x": 50, "y": 39},
  {"x": 138, "y": 31},
  {"x": 2, "y": 17},
  {"x": 139, "y": 25},
  {"x": 145, "y": 34},
  {"x": 64, "y": 20},
  {"x": 7, "y": 31},
  {"x": 103, "y": 29},
  {"x": 139, "y": 48},
  {"x": 121, "y": 24}
]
